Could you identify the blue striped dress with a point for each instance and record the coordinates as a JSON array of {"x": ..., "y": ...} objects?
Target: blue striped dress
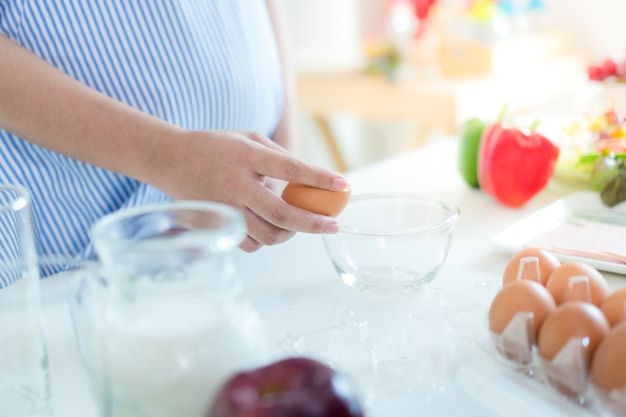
[{"x": 199, "y": 64}]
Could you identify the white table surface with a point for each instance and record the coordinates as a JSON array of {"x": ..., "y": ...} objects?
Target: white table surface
[{"x": 296, "y": 290}]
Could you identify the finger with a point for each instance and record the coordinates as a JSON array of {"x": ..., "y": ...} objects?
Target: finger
[
  {"x": 270, "y": 209},
  {"x": 274, "y": 185},
  {"x": 263, "y": 140},
  {"x": 285, "y": 167},
  {"x": 264, "y": 232},
  {"x": 250, "y": 245}
]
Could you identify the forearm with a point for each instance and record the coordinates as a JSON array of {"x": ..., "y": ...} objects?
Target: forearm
[
  {"x": 287, "y": 132},
  {"x": 47, "y": 107}
]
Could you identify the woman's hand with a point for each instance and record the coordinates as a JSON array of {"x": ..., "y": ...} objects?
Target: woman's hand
[
  {"x": 46, "y": 107},
  {"x": 240, "y": 169}
]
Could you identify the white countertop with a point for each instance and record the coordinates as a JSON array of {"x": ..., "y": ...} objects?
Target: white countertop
[{"x": 296, "y": 290}]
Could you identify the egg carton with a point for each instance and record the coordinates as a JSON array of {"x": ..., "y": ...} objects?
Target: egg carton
[
  {"x": 566, "y": 374},
  {"x": 559, "y": 360}
]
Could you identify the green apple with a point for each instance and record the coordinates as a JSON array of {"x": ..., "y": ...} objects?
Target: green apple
[{"x": 469, "y": 143}]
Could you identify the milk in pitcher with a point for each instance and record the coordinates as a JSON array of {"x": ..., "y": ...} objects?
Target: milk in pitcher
[{"x": 167, "y": 356}]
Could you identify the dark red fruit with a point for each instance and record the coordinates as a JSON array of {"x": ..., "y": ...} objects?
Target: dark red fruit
[{"x": 293, "y": 387}]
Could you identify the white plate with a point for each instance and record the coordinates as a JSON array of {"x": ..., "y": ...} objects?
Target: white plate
[{"x": 514, "y": 238}]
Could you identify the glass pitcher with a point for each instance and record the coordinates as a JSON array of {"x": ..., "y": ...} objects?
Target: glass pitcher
[{"x": 162, "y": 320}]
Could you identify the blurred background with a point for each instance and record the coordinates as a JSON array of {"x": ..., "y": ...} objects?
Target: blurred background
[{"x": 380, "y": 77}]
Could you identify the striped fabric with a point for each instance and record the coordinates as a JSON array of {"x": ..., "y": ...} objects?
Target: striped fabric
[{"x": 200, "y": 64}]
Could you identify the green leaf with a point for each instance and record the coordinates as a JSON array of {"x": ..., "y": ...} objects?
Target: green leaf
[{"x": 615, "y": 190}]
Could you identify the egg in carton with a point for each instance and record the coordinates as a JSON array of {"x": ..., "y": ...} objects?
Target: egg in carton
[
  {"x": 518, "y": 311},
  {"x": 608, "y": 370},
  {"x": 579, "y": 347},
  {"x": 566, "y": 344}
]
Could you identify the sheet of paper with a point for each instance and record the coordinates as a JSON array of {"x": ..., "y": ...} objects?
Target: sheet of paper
[{"x": 589, "y": 239}]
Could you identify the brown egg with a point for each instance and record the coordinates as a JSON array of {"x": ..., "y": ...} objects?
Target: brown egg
[
  {"x": 547, "y": 263},
  {"x": 575, "y": 319},
  {"x": 316, "y": 200},
  {"x": 519, "y": 297},
  {"x": 563, "y": 288},
  {"x": 608, "y": 366},
  {"x": 614, "y": 306}
]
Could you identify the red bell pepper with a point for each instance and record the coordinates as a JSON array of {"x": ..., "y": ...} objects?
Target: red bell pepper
[{"x": 513, "y": 166}]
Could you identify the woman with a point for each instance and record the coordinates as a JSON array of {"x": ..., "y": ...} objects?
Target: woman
[{"x": 106, "y": 105}]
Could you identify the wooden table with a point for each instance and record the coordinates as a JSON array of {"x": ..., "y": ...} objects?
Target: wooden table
[
  {"x": 373, "y": 97},
  {"x": 430, "y": 103}
]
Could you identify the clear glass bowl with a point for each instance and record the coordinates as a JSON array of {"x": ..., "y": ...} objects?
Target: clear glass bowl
[{"x": 391, "y": 241}]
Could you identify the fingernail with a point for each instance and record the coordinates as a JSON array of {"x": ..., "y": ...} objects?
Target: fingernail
[
  {"x": 332, "y": 227},
  {"x": 341, "y": 184}
]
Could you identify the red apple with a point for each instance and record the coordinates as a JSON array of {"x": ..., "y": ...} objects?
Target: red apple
[{"x": 292, "y": 387}]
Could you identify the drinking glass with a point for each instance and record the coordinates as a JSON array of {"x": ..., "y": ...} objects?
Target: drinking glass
[{"x": 24, "y": 379}]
